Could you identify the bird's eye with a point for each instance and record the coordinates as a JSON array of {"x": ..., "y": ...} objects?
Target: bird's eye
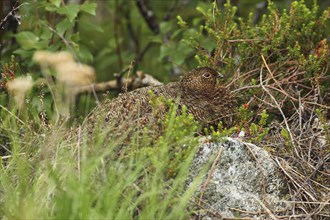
[{"x": 206, "y": 75}]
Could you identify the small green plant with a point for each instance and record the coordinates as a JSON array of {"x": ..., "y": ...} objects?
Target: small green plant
[
  {"x": 175, "y": 126},
  {"x": 244, "y": 126},
  {"x": 293, "y": 43},
  {"x": 260, "y": 130},
  {"x": 70, "y": 175}
]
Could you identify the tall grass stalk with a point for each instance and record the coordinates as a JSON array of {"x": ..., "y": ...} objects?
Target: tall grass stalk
[{"x": 60, "y": 173}]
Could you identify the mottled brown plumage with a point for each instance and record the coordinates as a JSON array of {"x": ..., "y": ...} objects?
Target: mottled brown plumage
[{"x": 199, "y": 90}]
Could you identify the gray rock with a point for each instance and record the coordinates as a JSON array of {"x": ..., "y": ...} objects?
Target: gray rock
[{"x": 244, "y": 182}]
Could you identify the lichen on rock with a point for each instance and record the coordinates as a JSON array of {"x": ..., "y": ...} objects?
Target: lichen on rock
[{"x": 245, "y": 180}]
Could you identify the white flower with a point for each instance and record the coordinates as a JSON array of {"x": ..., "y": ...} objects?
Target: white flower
[
  {"x": 19, "y": 87},
  {"x": 75, "y": 74},
  {"x": 47, "y": 58}
]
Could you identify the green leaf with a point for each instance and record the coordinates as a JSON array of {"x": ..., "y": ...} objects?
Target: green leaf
[
  {"x": 25, "y": 54},
  {"x": 285, "y": 134},
  {"x": 155, "y": 39},
  {"x": 84, "y": 54},
  {"x": 71, "y": 11},
  {"x": 89, "y": 8},
  {"x": 27, "y": 40},
  {"x": 164, "y": 52},
  {"x": 57, "y": 3},
  {"x": 45, "y": 33},
  {"x": 90, "y": 26},
  {"x": 181, "y": 53},
  {"x": 63, "y": 26},
  {"x": 51, "y": 8},
  {"x": 181, "y": 22},
  {"x": 165, "y": 27}
]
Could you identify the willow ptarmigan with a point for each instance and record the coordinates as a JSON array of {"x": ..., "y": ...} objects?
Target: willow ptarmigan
[{"x": 199, "y": 90}]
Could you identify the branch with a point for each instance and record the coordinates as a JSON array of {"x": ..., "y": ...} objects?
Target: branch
[
  {"x": 140, "y": 80},
  {"x": 10, "y": 22},
  {"x": 148, "y": 15},
  {"x": 274, "y": 100},
  {"x": 116, "y": 32},
  {"x": 12, "y": 13}
]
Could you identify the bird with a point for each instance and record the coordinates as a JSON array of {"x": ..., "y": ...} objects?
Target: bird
[{"x": 199, "y": 90}]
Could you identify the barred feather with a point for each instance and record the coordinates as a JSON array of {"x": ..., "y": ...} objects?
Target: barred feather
[{"x": 205, "y": 99}]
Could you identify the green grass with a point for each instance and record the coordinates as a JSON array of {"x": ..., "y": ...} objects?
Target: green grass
[{"x": 55, "y": 172}]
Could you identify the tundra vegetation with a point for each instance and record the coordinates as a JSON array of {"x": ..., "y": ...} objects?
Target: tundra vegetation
[{"x": 275, "y": 60}]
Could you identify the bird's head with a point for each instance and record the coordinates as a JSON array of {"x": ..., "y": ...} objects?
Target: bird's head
[{"x": 201, "y": 80}]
